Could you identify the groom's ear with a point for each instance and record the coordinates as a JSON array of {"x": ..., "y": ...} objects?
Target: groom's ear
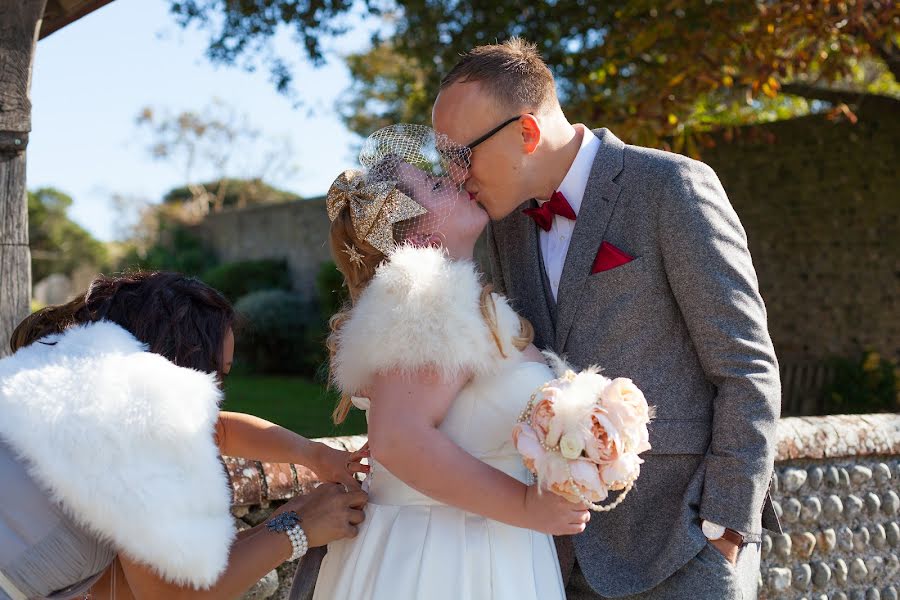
[{"x": 531, "y": 133}]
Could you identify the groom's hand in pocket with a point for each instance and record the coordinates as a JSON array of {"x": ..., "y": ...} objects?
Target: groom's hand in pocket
[{"x": 727, "y": 549}]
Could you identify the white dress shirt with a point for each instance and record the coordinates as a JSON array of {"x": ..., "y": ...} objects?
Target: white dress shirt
[{"x": 555, "y": 243}]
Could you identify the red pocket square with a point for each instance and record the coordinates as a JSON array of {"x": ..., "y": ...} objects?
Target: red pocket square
[{"x": 609, "y": 257}]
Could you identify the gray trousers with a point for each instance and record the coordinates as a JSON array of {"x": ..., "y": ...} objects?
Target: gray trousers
[{"x": 707, "y": 576}]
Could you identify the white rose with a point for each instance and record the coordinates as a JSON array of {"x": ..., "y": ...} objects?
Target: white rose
[{"x": 571, "y": 445}]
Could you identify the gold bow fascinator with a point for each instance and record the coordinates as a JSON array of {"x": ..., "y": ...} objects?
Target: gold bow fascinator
[{"x": 374, "y": 207}]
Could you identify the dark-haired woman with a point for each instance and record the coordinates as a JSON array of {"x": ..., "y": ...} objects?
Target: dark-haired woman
[{"x": 110, "y": 444}]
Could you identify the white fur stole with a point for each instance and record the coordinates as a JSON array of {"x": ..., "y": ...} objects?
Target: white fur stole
[
  {"x": 421, "y": 310},
  {"x": 123, "y": 440}
]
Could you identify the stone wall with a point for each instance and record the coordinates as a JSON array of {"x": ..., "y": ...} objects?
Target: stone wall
[
  {"x": 819, "y": 200},
  {"x": 295, "y": 231},
  {"x": 836, "y": 493},
  {"x": 836, "y": 490}
]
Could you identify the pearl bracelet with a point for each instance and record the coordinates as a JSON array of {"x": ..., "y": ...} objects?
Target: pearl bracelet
[
  {"x": 299, "y": 542},
  {"x": 289, "y": 523}
]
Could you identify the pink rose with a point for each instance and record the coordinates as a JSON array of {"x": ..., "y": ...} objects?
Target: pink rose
[
  {"x": 628, "y": 412},
  {"x": 587, "y": 477},
  {"x": 549, "y": 467},
  {"x": 567, "y": 478},
  {"x": 618, "y": 473},
  {"x": 554, "y": 476},
  {"x": 529, "y": 446}
]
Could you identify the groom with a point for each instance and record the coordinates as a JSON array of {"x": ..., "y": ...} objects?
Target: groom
[{"x": 634, "y": 260}]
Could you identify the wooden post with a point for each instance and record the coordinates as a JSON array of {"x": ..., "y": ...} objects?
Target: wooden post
[{"x": 20, "y": 22}]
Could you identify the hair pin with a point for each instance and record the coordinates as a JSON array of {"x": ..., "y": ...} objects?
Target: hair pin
[{"x": 355, "y": 257}]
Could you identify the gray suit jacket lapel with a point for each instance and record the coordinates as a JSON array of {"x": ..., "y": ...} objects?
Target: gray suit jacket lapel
[{"x": 600, "y": 198}]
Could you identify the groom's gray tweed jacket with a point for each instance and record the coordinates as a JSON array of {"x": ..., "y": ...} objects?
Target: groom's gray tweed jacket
[{"x": 686, "y": 322}]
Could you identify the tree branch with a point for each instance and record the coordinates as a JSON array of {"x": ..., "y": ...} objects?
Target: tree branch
[{"x": 812, "y": 92}]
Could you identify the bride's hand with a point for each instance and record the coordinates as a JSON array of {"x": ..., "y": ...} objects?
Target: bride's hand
[
  {"x": 338, "y": 466},
  {"x": 549, "y": 513}
]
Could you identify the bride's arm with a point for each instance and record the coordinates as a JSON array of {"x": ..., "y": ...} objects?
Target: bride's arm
[
  {"x": 246, "y": 436},
  {"x": 404, "y": 417}
]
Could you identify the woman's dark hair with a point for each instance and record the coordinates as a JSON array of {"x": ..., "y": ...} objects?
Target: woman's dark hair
[{"x": 178, "y": 317}]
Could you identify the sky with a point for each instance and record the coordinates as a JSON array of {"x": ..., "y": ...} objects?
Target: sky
[{"x": 92, "y": 78}]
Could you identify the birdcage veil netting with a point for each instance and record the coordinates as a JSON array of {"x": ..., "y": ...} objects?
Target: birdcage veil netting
[{"x": 424, "y": 165}]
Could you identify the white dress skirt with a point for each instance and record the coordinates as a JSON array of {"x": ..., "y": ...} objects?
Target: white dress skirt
[{"x": 413, "y": 547}]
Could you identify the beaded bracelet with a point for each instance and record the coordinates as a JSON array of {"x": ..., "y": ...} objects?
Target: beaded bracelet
[{"x": 289, "y": 523}]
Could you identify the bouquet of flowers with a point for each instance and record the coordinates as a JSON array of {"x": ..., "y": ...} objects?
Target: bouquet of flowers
[{"x": 581, "y": 435}]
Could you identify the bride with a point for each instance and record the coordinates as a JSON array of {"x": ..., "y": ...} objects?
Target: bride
[{"x": 443, "y": 368}]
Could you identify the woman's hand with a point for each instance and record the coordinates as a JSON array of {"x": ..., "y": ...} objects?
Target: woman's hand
[
  {"x": 549, "y": 513},
  {"x": 330, "y": 512},
  {"x": 338, "y": 466}
]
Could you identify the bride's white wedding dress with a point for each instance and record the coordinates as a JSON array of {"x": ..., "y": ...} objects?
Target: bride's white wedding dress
[{"x": 423, "y": 309}]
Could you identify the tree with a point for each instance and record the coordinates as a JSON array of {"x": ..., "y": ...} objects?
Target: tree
[
  {"x": 58, "y": 244},
  {"x": 235, "y": 193},
  {"x": 654, "y": 70},
  {"x": 217, "y": 141},
  {"x": 159, "y": 235}
]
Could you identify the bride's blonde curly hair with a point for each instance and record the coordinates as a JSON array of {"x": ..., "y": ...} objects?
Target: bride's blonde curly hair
[{"x": 357, "y": 260}]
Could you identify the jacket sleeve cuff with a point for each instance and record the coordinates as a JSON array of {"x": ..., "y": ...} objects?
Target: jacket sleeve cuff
[{"x": 732, "y": 501}]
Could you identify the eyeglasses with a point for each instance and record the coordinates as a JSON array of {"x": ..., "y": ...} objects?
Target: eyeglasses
[
  {"x": 493, "y": 131},
  {"x": 461, "y": 156}
]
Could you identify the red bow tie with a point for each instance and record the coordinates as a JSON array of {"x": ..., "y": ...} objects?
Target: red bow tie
[{"x": 543, "y": 214}]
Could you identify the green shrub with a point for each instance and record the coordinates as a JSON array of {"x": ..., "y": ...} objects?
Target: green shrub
[
  {"x": 237, "y": 279},
  {"x": 279, "y": 333},
  {"x": 177, "y": 249},
  {"x": 866, "y": 384}
]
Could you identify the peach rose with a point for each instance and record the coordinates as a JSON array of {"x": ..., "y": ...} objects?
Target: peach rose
[
  {"x": 606, "y": 441},
  {"x": 543, "y": 413}
]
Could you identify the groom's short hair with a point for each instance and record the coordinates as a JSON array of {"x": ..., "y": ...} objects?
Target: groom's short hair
[{"x": 512, "y": 72}]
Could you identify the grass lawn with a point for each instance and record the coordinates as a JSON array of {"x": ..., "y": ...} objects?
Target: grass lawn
[{"x": 298, "y": 404}]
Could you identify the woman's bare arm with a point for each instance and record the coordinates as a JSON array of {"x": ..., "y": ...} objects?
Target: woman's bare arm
[
  {"x": 247, "y": 436},
  {"x": 405, "y": 414}
]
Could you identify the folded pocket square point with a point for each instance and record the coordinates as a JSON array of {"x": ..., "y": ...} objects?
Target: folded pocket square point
[{"x": 609, "y": 257}]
